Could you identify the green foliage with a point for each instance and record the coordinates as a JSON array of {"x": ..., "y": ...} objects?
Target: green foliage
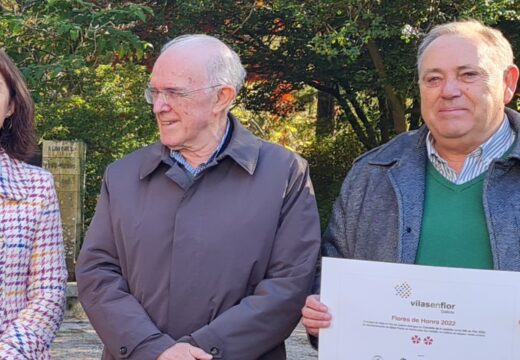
[
  {"x": 294, "y": 132},
  {"x": 330, "y": 158},
  {"x": 362, "y": 52},
  {"x": 292, "y": 125},
  {"x": 49, "y": 40},
  {"x": 110, "y": 116},
  {"x": 81, "y": 60}
]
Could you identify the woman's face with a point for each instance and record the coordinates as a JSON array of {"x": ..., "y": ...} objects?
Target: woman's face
[{"x": 6, "y": 105}]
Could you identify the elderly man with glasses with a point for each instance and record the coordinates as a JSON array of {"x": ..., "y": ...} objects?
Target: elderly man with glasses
[{"x": 203, "y": 244}]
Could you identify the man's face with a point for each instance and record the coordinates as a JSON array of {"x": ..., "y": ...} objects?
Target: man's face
[
  {"x": 462, "y": 93},
  {"x": 186, "y": 122}
]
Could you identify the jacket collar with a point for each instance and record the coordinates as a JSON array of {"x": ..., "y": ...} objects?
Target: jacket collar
[
  {"x": 410, "y": 143},
  {"x": 388, "y": 155},
  {"x": 13, "y": 178},
  {"x": 243, "y": 148},
  {"x": 152, "y": 158},
  {"x": 514, "y": 119}
]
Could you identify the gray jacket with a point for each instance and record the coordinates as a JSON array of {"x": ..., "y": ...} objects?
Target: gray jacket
[
  {"x": 224, "y": 262},
  {"x": 379, "y": 212}
]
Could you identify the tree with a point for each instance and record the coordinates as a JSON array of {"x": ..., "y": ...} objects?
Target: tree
[
  {"x": 79, "y": 59},
  {"x": 361, "y": 52}
]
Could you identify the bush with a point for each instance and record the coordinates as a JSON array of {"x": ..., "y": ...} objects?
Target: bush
[{"x": 330, "y": 158}]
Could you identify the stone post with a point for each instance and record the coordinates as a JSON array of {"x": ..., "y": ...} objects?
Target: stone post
[{"x": 66, "y": 161}]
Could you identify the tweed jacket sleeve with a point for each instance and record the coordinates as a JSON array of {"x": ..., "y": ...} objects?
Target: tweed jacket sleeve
[{"x": 33, "y": 273}]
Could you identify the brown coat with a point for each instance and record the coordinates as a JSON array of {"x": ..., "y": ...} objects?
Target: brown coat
[{"x": 228, "y": 259}]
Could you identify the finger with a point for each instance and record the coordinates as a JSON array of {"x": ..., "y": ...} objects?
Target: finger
[
  {"x": 313, "y": 302},
  {"x": 309, "y": 313},
  {"x": 315, "y": 324},
  {"x": 198, "y": 353}
]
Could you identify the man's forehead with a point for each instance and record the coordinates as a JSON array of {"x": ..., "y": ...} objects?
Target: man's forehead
[
  {"x": 455, "y": 52},
  {"x": 177, "y": 66},
  {"x": 456, "y": 68}
]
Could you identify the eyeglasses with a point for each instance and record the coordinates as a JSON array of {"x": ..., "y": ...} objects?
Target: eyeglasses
[{"x": 168, "y": 95}]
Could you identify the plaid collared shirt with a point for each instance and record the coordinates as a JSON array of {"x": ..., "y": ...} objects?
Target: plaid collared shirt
[
  {"x": 177, "y": 156},
  {"x": 477, "y": 161}
]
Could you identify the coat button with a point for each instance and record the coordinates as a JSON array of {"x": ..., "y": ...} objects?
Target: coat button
[
  {"x": 214, "y": 351},
  {"x": 123, "y": 350}
]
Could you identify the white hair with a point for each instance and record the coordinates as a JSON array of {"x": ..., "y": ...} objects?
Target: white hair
[
  {"x": 499, "y": 49},
  {"x": 224, "y": 68}
]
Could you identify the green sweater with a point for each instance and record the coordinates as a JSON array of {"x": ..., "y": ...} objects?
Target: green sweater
[{"x": 454, "y": 231}]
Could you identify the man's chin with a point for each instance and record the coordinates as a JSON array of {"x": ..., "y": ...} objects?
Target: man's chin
[
  {"x": 172, "y": 145},
  {"x": 452, "y": 134}
]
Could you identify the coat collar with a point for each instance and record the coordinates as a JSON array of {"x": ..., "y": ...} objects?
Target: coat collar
[
  {"x": 408, "y": 145},
  {"x": 13, "y": 178},
  {"x": 514, "y": 119},
  {"x": 243, "y": 148}
]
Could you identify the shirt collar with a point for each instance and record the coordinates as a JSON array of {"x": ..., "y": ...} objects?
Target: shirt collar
[
  {"x": 176, "y": 155},
  {"x": 243, "y": 147},
  {"x": 478, "y": 160}
]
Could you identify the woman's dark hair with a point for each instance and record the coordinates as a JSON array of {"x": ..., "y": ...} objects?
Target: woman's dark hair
[{"x": 17, "y": 135}]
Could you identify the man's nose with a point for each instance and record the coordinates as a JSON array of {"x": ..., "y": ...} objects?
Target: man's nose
[
  {"x": 160, "y": 104},
  {"x": 451, "y": 88}
]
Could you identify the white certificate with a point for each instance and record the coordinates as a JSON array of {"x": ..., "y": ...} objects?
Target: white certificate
[{"x": 384, "y": 311}]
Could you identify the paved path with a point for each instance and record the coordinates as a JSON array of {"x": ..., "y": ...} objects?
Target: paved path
[{"x": 78, "y": 341}]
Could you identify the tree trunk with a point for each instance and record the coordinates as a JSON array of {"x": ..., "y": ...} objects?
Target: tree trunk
[
  {"x": 325, "y": 120},
  {"x": 395, "y": 102},
  {"x": 352, "y": 118},
  {"x": 384, "y": 119},
  {"x": 415, "y": 115}
]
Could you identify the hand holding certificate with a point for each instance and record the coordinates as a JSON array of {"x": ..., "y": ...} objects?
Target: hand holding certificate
[{"x": 393, "y": 311}]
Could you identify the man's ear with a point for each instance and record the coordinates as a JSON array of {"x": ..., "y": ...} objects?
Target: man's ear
[
  {"x": 511, "y": 81},
  {"x": 225, "y": 96}
]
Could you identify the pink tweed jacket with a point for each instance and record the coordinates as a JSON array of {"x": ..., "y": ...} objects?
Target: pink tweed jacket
[{"x": 32, "y": 266}]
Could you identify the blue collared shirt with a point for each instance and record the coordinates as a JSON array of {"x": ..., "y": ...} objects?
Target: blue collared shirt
[
  {"x": 177, "y": 156},
  {"x": 477, "y": 161}
]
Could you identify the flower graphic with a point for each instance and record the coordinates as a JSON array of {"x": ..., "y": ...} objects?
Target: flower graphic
[
  {"x": 416, "y": 339},
  {"x": 428, "y": 340}
]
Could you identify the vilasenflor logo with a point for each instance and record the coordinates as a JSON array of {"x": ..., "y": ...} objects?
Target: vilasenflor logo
[{"x": 403, "y": 290}]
